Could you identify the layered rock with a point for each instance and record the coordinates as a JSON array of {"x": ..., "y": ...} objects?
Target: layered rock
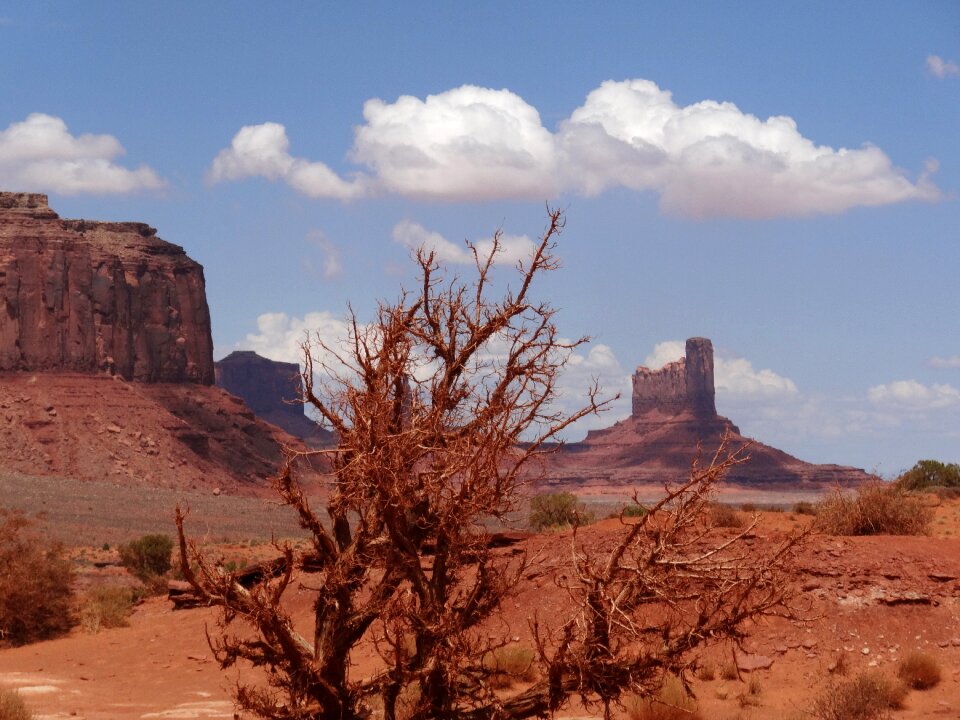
[
  {"x": 674, "y": 414},
  {"x": 271, "y": 388},
  {"x": 82, "y": 296}
]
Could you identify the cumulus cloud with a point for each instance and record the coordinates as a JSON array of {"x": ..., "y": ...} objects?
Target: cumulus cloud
[
  {"x": 941, "y": 363},
  {"x": 707, "y": 159},
  {"x": 264, "y": 150},
  {"x": 40, "y": 154},
  {"x": 734, "y": 377},
  {"x": 281, "y": 337},
  {"x": 910, "y": 394},
  {"x": 941, "y": 68},
  {"x": 412, "y": 235}
]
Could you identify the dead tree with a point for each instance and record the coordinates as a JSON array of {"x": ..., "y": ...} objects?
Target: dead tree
[{"x": 439, "y": 406}]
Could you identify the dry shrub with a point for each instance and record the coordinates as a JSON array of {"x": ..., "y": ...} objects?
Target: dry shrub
[
  {"x": 724, "y": 516},
  {"x": 35, "y": 584},
  {"x": 707, "y": 672},
  {"x": 869, "y": 696},
  {"x": 877, "y": 508},
  {"x": 728, "y": 671},
  {"x": 919, "y": 671},
  {"x": 805, "y": 508},
  {"x": 673, "y": 703},
  {"x": 752, "y": 695},
  {"x": 106, "y": 607},
  {"x": 12, "y": 707},
  {"x": 509, "y": 664}
]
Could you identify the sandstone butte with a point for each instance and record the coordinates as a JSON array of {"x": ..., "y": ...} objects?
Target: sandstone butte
[
  {"x": 106, "y": 360},
  {"x": 272, "y": 390},
  {"x": 674, "y": 411}
]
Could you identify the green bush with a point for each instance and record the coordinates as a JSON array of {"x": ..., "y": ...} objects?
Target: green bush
[
  {"x": 12, "y": 707},
  {"x": 929, "y": 474},
  {"x": 106, "y": 607},
  {"x": 877, "y": 508},
  {"x": 147, "y": 557},
  {"x": 562, "y": 509},
  {"x": 36, "y": 596},
  {"x": 633, "y": 510}
]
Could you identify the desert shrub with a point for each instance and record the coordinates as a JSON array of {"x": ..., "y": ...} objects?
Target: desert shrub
[
  {"x": 672, "y": 703},
  {"x": 919, "y": 671},
  {"x": 877, "y": 508},
  {"x": 707, "y": 672},
  {"x": 724, "y": 516},
  {"x": 12, "y": 707},
  {"x": 106, "y": 607},
  {"x": 510, "y": 663},
  {"x": 930, "y": 473},
  {"x": 805, "y": 508},
  {"x": 869, "y": 696},
  {"x": 148, "y": 556},
  {"x": 562, "y": 509},
  {"x": 749, "y": 507},
  {"x": 728, "y": 671},
  {"x": 633, "y": 510},
  {"x": 36, "y": 597}
]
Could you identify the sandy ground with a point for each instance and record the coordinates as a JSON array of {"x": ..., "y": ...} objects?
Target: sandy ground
[{"x": 871, "y": 599}]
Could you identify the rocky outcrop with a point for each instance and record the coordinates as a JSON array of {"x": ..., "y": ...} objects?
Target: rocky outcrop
[
  {"x": 682, "y": 386},
  {"x": 674, "y": 414},
  {"x": 83, "y": 296},
  {"x": 271, "y": 389}
]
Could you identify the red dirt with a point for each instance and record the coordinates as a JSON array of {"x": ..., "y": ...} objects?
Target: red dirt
[{"x": 883, "y": 595}]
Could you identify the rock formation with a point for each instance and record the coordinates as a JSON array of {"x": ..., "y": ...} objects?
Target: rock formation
[
  {"x": 673, "y": 413},
  {"x": 82, "y": 296},
  {"x": 271, "y": 389}
]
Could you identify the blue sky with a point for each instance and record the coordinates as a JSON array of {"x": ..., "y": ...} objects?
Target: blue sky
[{"x": 779, "y": 177}]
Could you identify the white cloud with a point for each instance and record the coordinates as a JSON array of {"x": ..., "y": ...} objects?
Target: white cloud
[
  {"x": 513, "y": 248},
  {"x": 281, "y": 337},
  {"x": 40, "y": 154},
  {"x": 910, "y": 394},
  {"x": 330, "y": 266},
  {"x": 707, "y": 159},
  {"x": 734, "y": 377},
  {"x": 948, "y": 362},
  {"x": 263, "y": 150},
  {"x": 941, "y": 68}
]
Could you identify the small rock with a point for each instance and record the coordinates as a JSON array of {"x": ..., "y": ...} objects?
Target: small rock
[
  {"x": 216, "y": 491},
  {"x": 865, "y": 651},
  {"x": 809, "y": 643},
  {"x": 750, "y": 663},
  {"x": 114, "y": 428}
]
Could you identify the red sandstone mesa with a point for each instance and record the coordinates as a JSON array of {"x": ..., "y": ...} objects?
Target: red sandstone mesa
[{"x": 83, "y": 296}]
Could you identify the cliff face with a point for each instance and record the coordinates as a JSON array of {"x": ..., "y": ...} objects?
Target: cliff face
[
  {"x": 271, "y": 389},
  {"x": 682, "y": 386},
  {"x": 82, "y": 296}
]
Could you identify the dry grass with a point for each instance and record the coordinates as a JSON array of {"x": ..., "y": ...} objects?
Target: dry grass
[
  {"x": 673, "y": 703},
  {"x": 12, "y": 707},
  {"x": 919, "y": 671},
  {"x": 728, "y": 671},
  {"x": 510, "y": 664},
  {"x": 724, "y": 516},
  {"x": 106, "y": 607},
  {"x": 869, "y": 696},
  {"x": 707, "y": 672},
  {"x": 877, "y": 508}
]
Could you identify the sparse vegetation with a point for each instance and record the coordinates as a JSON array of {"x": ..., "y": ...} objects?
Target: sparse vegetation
[
  {"x": 633, "y": 510},
  {"x": 12, "y": 706},
  {"x": 728, "y": 671},
  {"x": 928, "y": 474},
  {"x": 148, "y": 556},
  {"x": 868, "y": 696},
  {"x": 919, "y": 670},
  {"x": 35, "y": 584},
  {"x": 510, "y": 664},
  {"x": 877, "y": 508},
  {"x": 707, "y": 672},
  {"x": 673, "y": 702},
  {"x": 724, "y": 516},
  {"x": 557, "y": 510},
  {"x": 805, "y": 508},
  {"x": 106, "y": 607}
]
